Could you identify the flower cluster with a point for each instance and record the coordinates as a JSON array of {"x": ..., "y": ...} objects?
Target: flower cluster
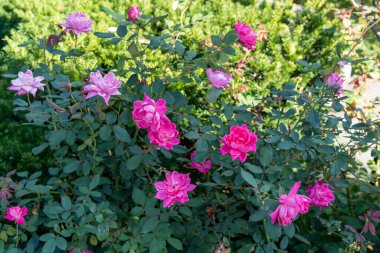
[
  {"x": 174, "y": 189},
  {"x": 149, "y": 114}
]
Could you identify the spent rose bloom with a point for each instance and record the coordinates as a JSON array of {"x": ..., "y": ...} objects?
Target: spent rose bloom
[
  {"x": 290, "y": 206},
  {"x": 78, "y": 23},
  {"x": 148, "y": 113},
  {"x": 134, "y": 13},
  {"x": 202, "y": 167},
  {"x": 335, "y": 80},
  {"x": 218, "y": 78},
  {"x": 320, "y": 194},
  {"x": 104, "y": 87},
  {"x": 26, "y": 83},
  {"x": 165, "y": 136},
  {"x": 16, "y": 213},
  {"x": 247, "y": 36},
  {"x": 174, "y": 189},
  {"x": 239, "y": 142}
]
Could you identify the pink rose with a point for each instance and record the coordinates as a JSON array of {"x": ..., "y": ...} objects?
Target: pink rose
[
  {"x": 165, "y": 136},
  {"x": 247, "y": 36},
  {"x": 320, "y": 194},
  {"x": 174, "y": 189},
  {"x": 84, "y": 251},
  {"x": 239, "y": 142},
  {"x": 134, "y": 13},
  {"x": 218, "y": 78},
  {"x": 202, "y": 167},
  {"x": 148, "y": 113},
  {"x": 26, "y": 83},
  {"x": 78, "y": 23},
  {"x": 16, "y": 214},
  {"x": 290, "y": 206},
  {"x": 104, "y": 87},
  {"x": 335, "y": 80}
]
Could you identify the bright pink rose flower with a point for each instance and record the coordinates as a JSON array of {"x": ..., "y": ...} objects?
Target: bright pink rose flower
[
  {"x": 16, "y": 214},
  {"x": 239, "y": 142},
  {"x": 84, "y": 251},
  {"x": 134, "y": 13},
  {"x": 320, "y": 194},
  {"x": 78, "y": 23},
  {"x": 335, "y": 80},
  {"x": 247, "y": 36},
  {"x": 165, "y": 136},
  {"x": 202, "y": 167},
  {"x": 290, "y": 206},
  {"x": 149, "y": 114},
  {"x": 174, "y": 189},
  {"x": 26, "y": 83},
  {"x": 104, "y": 87},
  {"x": 218, "y": 78}
]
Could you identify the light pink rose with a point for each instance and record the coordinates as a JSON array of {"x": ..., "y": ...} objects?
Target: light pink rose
[
  {"x": 134, "y": 13},
  {"x": 320, "y": 194},
  {"x": 78, "y": 23},
  {"x": 148, "y": 113},
  {"x": 174, "y": 189},
  {"x": 16, "y": 214},
  {"x": 247, "y": 36},
  {"x": 290, "y": 206},
  {"x": 202, "y": 167},
  {"x": 335, "y": 80},
  {"x": 104, "y": 87},
  {"x": 26, "y": 83},
  {"x": 218, "y": 78},
  {"x": 239, "y": 142},
  {"x": 165, "y": 136}
]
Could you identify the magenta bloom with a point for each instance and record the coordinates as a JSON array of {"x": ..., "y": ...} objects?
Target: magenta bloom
[
  {"x": 16, "y": 214},
  {"x": 148, "y": 113},
  {"x": 134, "y": 13},
  {"x": 202, "y": 167},
  {"x": 104, "y": 87},
  {"x": 26, "y": 83},
  {"x": 84, "y": 251},
  {"x": 218, "y": 78},
  {"x": 335, "y": 80},
  {"x": 78, "y": 23},
  {"x": 290, "y": 206},
  {"x": 320, "y": 194},
  {"x": 239, "y": 142},
  {"x": 247, "y": 36},
  {"x": 165, "y": 136},
  {"x": 174, "y": 189}
]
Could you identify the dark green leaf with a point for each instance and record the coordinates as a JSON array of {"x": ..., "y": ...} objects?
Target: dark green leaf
[
  {"x": 121, "y": 134},
  {"x": 177, "y": 244},
  {"x": 248, "y": 178},
  {"x": 213, "y": 94}
]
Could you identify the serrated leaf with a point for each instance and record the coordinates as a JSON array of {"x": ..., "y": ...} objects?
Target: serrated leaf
[{"x": 248, "y": 178}]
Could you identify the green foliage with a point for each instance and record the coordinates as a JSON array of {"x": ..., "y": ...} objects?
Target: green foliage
[{"x": 99, "y": 193}]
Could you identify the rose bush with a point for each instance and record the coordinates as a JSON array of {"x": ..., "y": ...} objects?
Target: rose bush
[{"x": 122, "y": 136}]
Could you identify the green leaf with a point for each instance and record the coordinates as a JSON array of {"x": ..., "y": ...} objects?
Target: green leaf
[
  {"x": 177, "y": 244},
  {"x": 40, "y": 148},
  {"x": 266, "y": 155},
  {"x": 158, "y": 86},
  {"x": 105, "y": 132},
  {"x": 133, "y": 49},
  {"x": 121, "y": 31},
  {"x": 216, "y": 40},
  {"x": 289, "y": 230},
  {"x": 71, "y": 165},
  {"x": 302, "y": 239},
  {"x": 157, "y": 246},
  {"x": 20, "y": 102},
  {"x": 104, "y": 35},
  {"x": 314, "y": 118},
  {"x": 285, "y": 145},
  {"x": 134, "y": 162},
  {"x": 66, "y": 202},
  {"x": 337, "y": 106},
  {"x": 121, "y": 134},
  {"x": 248, "y": 178},
  {"x": 257, "y": 216},
  {"x": 284, "y": 242},
  {"x": 192, "y": 135},
  {"x": 213, "y": 94},
  {"x": 49, "y": 246},
  {"x": 179, "y": 47},
  {"x": 229, "y": 50},
  {"x": 57, "y": 137},
  {"x": 138, "y": 196},
  {"x": 273, "y": 230},
  {"x": 94, "y": 182},
  {"x": 253, "y": 168},
  {"x": 61, "y": 243},
  {"x": 202, "y": 145},
  {"x": 149, "y": 224},
  {"x": 231, "y": 37}
]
